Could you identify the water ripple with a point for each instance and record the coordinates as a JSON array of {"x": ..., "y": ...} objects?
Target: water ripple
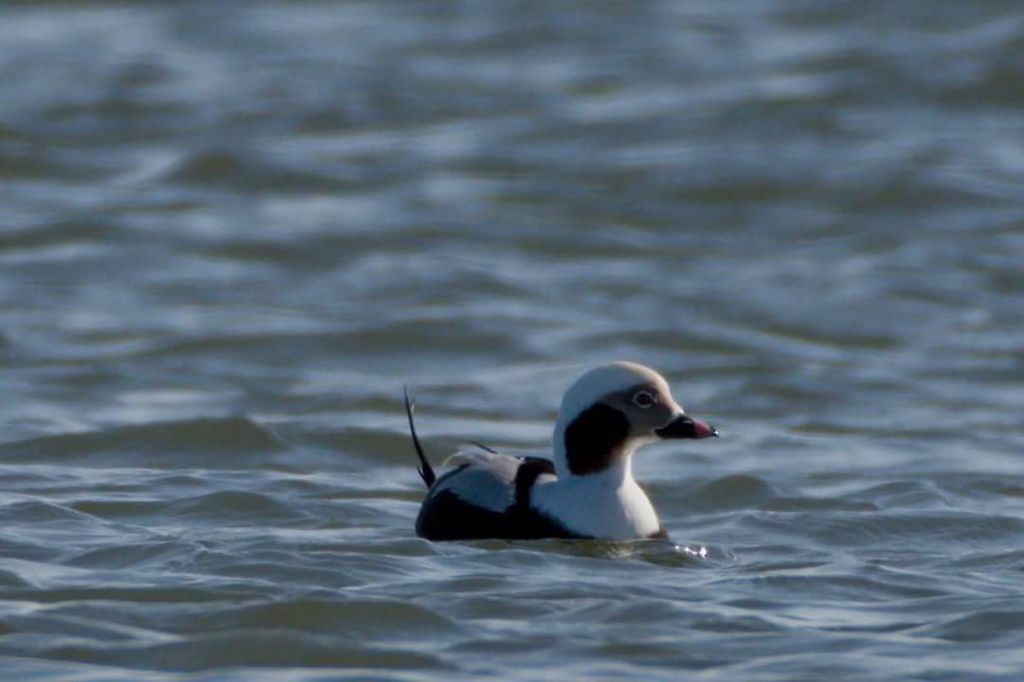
[{"x": 232, "y": 232}]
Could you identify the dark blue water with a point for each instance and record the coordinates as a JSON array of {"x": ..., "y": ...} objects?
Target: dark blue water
[{"x": 230, "y": 233}]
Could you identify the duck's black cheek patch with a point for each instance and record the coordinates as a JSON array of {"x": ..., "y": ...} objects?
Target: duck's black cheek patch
[{"x": 594, "y": 438}]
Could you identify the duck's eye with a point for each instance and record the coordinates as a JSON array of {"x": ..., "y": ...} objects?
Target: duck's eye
[{"x": 643, "y": 399}]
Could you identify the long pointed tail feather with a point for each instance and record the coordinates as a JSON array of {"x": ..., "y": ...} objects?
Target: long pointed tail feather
[{"x": 426, "y": 471}]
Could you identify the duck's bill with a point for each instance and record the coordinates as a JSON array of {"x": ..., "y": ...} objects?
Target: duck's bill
[{"x": 685, "y": 426}]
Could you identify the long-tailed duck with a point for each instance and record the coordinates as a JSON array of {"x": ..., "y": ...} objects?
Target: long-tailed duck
[{"x": 586, "y": 491}]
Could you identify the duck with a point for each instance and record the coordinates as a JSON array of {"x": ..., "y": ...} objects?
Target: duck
[{"x": 586, "y": 490}]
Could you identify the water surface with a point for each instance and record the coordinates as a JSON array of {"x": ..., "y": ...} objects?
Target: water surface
[{"x": 232, "y": 232}]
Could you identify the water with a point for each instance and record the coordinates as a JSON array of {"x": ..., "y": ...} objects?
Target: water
[{"x": 232, "y": 232}]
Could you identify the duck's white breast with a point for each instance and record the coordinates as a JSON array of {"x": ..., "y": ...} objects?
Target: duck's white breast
[{"x": 598, "y": 506}]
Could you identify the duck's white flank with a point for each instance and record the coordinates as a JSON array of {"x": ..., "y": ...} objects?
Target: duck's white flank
[{"x": 488, "y": 480}]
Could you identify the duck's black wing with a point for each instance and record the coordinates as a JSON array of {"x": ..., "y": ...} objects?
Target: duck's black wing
[
  {"x": 488, "y": 496},
  {"x": 485, "y": 495}
]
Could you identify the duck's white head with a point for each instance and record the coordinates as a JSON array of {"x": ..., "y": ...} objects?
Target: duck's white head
[{"x": 611, "y": 411}]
